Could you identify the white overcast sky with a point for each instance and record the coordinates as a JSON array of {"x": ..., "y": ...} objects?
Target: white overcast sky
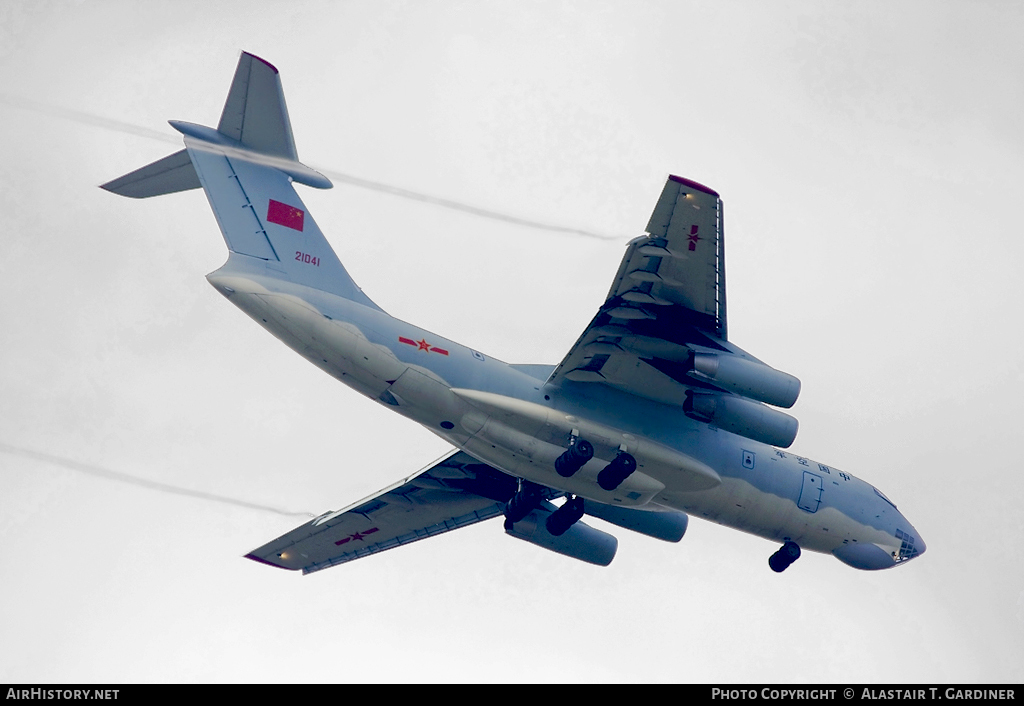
[{"x": 871, "y": 159}]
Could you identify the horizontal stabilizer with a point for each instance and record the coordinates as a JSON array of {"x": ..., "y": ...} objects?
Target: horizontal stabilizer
[{"x": 164, "y": 176}]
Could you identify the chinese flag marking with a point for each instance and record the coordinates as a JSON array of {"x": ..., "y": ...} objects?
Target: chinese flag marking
[{"x": 284, "y": 215}]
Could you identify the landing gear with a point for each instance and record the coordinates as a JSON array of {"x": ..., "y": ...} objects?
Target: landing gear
[
  {"x": 575, "y": 457},
  {"x": 780, "y": 560},
  {"x": 616, "y": 471},
  {"x": 522, "y": 503},
  {"x": 559, "y": 521}
]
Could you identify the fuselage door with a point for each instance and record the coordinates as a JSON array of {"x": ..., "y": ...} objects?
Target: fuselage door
[{"x": 810, "y": 492}]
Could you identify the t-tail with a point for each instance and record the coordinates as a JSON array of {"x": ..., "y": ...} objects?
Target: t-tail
[{"x": 246, "y": 167}]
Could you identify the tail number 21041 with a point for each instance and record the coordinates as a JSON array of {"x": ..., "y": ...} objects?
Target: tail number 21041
[{"x": 307, "y": 258}]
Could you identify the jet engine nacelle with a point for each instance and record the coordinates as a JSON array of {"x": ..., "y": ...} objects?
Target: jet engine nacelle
[
  {"x": 580, "y": 541},
  {"x": 742, "y": 416},
  {"x": 747, "y": 378},
  {"x": 667, "y": 526}
]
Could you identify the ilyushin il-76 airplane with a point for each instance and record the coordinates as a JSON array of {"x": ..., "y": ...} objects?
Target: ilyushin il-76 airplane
[{"x": 653, "y": 415}]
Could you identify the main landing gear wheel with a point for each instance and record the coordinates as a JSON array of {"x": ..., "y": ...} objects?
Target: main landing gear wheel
[
  {"x": 574, "y": 458},
  {"x": 559, "y": 521},
  {"x": 616, "y": 471},
  {"x": 522, "y": 503}
]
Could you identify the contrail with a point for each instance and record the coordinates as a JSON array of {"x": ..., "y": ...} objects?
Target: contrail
[
  {"x": 79, "y": 116},
  {"x": 458, "y": 206},
  {"x": 150, "y": 484}
]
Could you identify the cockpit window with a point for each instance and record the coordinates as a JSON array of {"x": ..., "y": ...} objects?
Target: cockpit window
[{"x": 880, "y": 494}]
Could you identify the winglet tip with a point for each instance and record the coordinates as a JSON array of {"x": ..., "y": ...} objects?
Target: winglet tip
[
  {"x": 264, "y": 61},
  {"x": 693, "y": 184},
  {"x": 264, "y": 561}
]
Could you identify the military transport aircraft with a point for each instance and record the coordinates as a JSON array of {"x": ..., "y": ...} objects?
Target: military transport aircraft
[{"x": 652, "y": 415}]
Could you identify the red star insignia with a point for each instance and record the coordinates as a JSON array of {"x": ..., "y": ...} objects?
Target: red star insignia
[
  {"x": 693, "y": 237},
  {"x": 422, "y": 343},
  {"x": 357, "y": 535}
]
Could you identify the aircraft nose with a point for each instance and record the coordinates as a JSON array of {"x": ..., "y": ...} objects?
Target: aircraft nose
[{"x": 912, "y": 544}]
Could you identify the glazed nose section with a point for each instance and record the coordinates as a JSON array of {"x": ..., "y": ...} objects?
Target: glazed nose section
[{"x": 911, "y": 544}]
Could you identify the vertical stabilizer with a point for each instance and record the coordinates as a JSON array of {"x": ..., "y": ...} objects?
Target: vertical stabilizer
[
  {"x": 255, "y": 113},
  {"x": 246, "y": 168},
  {"x": 262, "y": 217}
]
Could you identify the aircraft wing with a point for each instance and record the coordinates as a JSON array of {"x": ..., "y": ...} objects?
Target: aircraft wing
[
  {"x": 453, "y": 492},
  {"x": 667, "y": 298}
]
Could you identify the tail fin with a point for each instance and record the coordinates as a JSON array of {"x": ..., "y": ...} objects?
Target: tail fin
[
  {"x": 246, "y": 167},
  {"x": 255, "y": 114}
]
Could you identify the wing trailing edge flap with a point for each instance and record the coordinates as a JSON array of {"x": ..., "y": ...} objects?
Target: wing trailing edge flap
[{"x": 454, "y": 491}]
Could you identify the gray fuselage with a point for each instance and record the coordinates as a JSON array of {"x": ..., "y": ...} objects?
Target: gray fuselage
[{"x": 508, "y": 417}]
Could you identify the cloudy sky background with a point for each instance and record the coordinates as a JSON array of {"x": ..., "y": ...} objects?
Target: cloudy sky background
[{"x": 871, "y": 161}]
